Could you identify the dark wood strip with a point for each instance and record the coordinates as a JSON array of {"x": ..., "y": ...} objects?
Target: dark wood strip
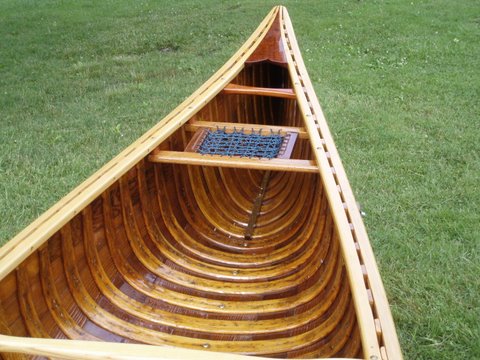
[{"x": 256, "y": 206}]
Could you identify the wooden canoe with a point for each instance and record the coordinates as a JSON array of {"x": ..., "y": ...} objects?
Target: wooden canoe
[{"x": 165, "y": 253}]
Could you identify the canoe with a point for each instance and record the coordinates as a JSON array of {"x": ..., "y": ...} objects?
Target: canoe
[{"x": 229, "y": 229}]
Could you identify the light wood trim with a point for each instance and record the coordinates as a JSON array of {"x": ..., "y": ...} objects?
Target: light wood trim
[
  {"x": 371, "y": 348},
  {"x": 34, "y": 235},
  {"x": 189, "y": 158},
  {"x": 315, "y": 122},
  {"x": 247, "y": 128},
  {"x": 261, "y": 91},
  {"x": 95, "y": 350}
]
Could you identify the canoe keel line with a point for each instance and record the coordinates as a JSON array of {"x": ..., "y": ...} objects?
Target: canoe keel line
[{"x": 169, "y": 253}]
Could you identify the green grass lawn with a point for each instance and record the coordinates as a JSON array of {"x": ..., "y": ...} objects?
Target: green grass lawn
[{"x": 399, "y": 82}]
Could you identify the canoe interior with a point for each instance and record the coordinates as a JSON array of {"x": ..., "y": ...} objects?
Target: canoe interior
[{"x": 161, "y": 257}]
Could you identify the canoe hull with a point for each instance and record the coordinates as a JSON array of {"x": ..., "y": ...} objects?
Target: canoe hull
[{"x": 240, "y": 257}]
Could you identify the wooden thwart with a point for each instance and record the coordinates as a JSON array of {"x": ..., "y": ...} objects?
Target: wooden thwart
[
  {"x": 262, "y": 91},
  {"x": 189, "y": 158}
]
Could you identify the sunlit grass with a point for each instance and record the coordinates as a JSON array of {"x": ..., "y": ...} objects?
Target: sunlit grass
[{"x": 398, "y": 80}]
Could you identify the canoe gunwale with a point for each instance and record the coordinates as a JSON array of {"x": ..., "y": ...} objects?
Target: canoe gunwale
[{"x": 363, "y": 272}]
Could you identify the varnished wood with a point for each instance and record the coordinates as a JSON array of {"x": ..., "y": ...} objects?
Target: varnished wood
[
  {"x": 271, "y": 49},
  {"x": 260, "y": 91},
  {"x": 188, "y": 158},
  {"x": 257, "y": 204},
  {"x": 166, "y": 254},
  {"x": 246, "y": 128}
]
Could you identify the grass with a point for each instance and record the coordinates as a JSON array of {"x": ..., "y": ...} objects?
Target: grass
[{"x": 398, "y": 80}]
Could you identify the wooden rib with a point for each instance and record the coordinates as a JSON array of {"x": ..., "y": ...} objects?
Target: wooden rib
[
  {"x": 66, "y": 299},
  {"x": 239, "y": 260},
  {"x": 178, "y": 157},
  {"x": 151, "y": 336},
  {"x": 221, "y": 198},
  {"x": 55, "y": 304},
  {"x": 232, "y": 178},
  {"x": 13, "y": 356},
  {"x": 247, "y": 128},
  {"x": 222, "y": 272},
  {"x": 293, "y": 205},
  {"x": 37, "y": 325},
  {"x": 158, "y": 267},
  {"x": 227, "y": 306},
  {"x": 184, "y": 322},
  {"x": 151, "y": 314},
  {"x": 352, "y": 347},
  {"x": 241, "y": 187},
  {"x": 141, "y": 278},
  {"x": 223, "y": 223},
  {"x": 196, "y": 197},
  {"x": 336, "y": 339},
  {"x": 10, "y": 312},
  {"x": 121, "y": 261},
  {"x": 216, "y": 214},
  {"x": 310, "y": 316},
  {"x": 168, "y": 211},
  {"x": 261, "y": 91},
  {"x": 188, "y": 244}
]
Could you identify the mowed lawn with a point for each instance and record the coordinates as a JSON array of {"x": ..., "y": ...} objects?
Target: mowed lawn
[{"x": 398, "y": 80}]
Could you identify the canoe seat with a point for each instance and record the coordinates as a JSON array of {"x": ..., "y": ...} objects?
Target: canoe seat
[
  {"x": 238, "y": 142},
  {"x": 230, "y": 147}
]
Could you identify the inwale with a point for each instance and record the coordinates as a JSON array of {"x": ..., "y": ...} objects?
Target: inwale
[{"x": 171, "y": 251}]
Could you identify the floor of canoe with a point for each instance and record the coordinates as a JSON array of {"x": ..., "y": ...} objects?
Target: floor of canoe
[{"x": 131, "y": 268}]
